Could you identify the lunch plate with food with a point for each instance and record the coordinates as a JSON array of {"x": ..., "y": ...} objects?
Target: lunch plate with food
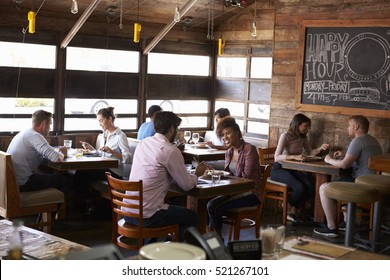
[
  {"x": 208, "y": 173},
  {"x": 311, "y": 158},
  {"x": 200, "y": 146}
]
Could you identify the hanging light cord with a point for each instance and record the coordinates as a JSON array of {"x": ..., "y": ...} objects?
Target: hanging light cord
[
  {"x": 138, "y": 12},
  {"x": 121, "y": 16}
]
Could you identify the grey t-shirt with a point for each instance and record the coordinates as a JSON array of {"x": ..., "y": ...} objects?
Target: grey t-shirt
[{"x": 363, "y": 147}]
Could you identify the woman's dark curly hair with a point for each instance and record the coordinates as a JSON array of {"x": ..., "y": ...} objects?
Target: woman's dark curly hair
[{"x": 227, "y": 122}]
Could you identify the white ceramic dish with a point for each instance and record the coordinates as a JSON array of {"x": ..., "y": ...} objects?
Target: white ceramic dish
[{"x": 171, "y": 251}]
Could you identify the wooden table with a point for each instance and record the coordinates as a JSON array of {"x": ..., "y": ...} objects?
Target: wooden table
[
  {"x": 198, "y": 197},
  {"x": 37, "y": 244},
  {"x": 320, "y": 249},
  {"x": 380, "y": 163},
  {"x": 85, "y": 162},
  {"x": 323, "y": 172},
  {"x": 202, "y": 154}
]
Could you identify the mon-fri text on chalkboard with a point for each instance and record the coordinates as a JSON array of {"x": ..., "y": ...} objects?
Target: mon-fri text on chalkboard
[{"x": 345, "y": 67}]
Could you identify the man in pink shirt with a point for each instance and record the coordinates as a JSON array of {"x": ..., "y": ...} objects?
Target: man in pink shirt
[{"x": 158, "y": 164}]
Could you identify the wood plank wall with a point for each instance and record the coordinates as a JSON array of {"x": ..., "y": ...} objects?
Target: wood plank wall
[{"x": 279, "y": 21}]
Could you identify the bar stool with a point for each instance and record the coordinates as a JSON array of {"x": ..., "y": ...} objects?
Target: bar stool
[
  {"x": 382, "y": 184},
  {"x": 352, "y": 193}
]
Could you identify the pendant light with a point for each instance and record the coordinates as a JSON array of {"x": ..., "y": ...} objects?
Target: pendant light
[
  {"x": 137, "y": 27},
  {"x": 254, "y": 28}
]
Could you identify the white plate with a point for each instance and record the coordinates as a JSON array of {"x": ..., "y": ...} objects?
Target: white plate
[
  {"x": 218, "y": 172},
  {"x": 171, "y": 251}
]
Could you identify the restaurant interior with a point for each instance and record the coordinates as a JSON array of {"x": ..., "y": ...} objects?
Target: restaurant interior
[{"x": 266, "y": 60}]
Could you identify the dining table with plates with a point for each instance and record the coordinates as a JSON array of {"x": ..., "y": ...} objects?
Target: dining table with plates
[
  {"x": 323, "y": 173},
  {"x": 85, "y": 161},
  {"x": 198, "y": 197}
]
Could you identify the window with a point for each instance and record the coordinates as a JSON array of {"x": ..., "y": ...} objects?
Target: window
[
  {"x": 102, "y": 60},
  {"x": 123, "y": 108},
  {"x": 34, "y": 61},
  {"x": 178, "y": 64},
  {"x": 233, "y": 67},
  {"x": 246, "y": 95},
  {"x": 192, "y": 112},
  {"x": 27, "y": 55}
]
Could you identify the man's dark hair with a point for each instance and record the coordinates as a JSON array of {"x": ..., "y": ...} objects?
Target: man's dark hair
[
  {"x": 361, "y": 121},
  {"x": 164, "y": 120},
  {"x": 153, "y": 109},
  {"x": 40, "y": 116},
  {"x": 222, "y": 112}
]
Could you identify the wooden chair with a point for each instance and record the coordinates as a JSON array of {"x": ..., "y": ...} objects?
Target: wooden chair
[
  {"x": 15, "y": 204},
  {"x": 274, "y": 190},
  {"x": 246, "y": 217},
  {"x": 120, "y": 190}
]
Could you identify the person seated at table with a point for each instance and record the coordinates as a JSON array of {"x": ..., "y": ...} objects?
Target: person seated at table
[
  {"x": 159, "y": 164},
  {"x": 29, "y": 149},
  {"x": 147, "y": 128},
  {"x": 294, "y": 145},
  {"x": 215, "y": 142},
  {"x": 362, "y": 147},
  {"x": 241, "y": 160},
  {"x": 115, "y": 145}
]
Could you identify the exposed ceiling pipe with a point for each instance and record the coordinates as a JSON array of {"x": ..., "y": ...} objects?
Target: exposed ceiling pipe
[
  {"x": 79, "y": 23},
  {"x": 187, "y": 6}
]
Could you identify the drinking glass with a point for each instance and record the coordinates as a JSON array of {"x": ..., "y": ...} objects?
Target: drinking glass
[
  {"x": 195, "y": 138},
  {"x": 68, "y": 144},
  {"x": 280, "y": 232},
  {"x": 268, "y": 238},
  {"x": 187, "y": 135}
]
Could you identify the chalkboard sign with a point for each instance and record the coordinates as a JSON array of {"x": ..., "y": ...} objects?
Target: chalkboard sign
[{"x": 345, "y": 67}]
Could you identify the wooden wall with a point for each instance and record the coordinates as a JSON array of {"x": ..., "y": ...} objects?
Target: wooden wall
[{"x": 279, "y": 21}]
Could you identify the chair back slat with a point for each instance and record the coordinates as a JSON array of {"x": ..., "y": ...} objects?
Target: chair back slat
[{"x": 267, "y": 155}]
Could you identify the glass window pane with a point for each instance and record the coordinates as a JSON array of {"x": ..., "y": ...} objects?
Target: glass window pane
[
  {"x": 236, "y": 109},
  {"x": 25, "y": 105},
  {"x": 181, "y": 107},
  {"x": 234, "y": 67},
  {"x": 27, "y": 55},
  {"x": 259, "y": 111},
  {"x": 92, "y": 106},
  {"x": 14, "y": 125},
  {"x": 178, "y": 64},
  {"x": 258, "y": 127},
  {"x": 90, "y": 124},
  {"x": 102, "y": 60},
  {"x": 188, "y": 122},
  {"x": 261, "y": 67}
]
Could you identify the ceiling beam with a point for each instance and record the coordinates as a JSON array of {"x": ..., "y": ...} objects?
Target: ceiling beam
[
  {"x": 187, "y": 6},
  {"x": 79, "y": 23}
]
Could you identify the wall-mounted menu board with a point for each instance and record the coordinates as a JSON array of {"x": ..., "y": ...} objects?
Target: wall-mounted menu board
[{"x": 344, "y": 67}]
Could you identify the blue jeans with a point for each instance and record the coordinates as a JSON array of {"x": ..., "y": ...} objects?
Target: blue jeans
[
  {"x": 302, "y": 188},
  {"x": 218, "y": 205},
  {"x": 173, "y": 215}
]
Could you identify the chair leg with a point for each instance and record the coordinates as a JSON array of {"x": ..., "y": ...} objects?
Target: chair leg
[
  {"x": 237, "y": 228},
  {"x": 230, "y": 231},
  {"x": 350, "y": 226},
  {"x": 284, "y": 209},
  {"x": 46, "y": 220}
]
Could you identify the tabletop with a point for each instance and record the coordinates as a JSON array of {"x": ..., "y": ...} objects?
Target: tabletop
[
  {"x": 84, "y": 162},
  {"x": 37, "y": 245},
  {"x": 202, "y": 153},
  {"x": 198, "y": 197}
]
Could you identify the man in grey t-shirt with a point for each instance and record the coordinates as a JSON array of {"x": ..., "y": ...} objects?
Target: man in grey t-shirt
[
  {"x": 362, "y": 147},
  {"x": 28, "y": 149}
]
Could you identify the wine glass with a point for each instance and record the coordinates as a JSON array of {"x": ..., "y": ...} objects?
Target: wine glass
[
  {"x": 187, "y": 135},
  {"x": 195, "y": 138}
]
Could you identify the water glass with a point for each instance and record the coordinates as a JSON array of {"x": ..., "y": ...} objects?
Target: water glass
[
  {"x": 195, "y": 138},
  {"x": 79, "y": 153},
  {"x": 68, "y": 144},
  {"x": 187, "y": 135},
  {"x": 268, "y": 237},
  {"x": 215, "y": 178},
  {"x": 189, "y": 167}
]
